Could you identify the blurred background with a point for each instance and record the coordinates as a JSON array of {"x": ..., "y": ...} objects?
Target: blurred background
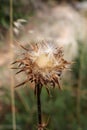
[{"x": 65, "y": 22}]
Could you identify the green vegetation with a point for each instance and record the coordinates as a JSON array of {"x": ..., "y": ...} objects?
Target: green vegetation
[
  {"x": 21, "y": 9},
  {"x": 66, "y": 109}
]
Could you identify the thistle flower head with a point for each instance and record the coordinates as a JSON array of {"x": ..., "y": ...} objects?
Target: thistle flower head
[{"x": 42, "y": 63}]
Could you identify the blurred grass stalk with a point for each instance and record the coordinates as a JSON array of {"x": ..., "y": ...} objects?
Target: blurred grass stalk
[
  {"x": 80, "y": 83},
  {"x": 12, "y": 77}
]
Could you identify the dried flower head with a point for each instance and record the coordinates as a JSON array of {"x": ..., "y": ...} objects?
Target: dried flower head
[{"x": 42, "y": 63}]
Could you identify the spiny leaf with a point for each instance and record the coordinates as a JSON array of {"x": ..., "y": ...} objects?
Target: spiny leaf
[
  {"x": 20, "y": 71},
  {"x": 24, "y": 48},
  {"x": 14, "y": 68},
  {"x": 48, "y": 91},
  {"x": 22, "y": 83},
  {"x": 57, "y": 81}
]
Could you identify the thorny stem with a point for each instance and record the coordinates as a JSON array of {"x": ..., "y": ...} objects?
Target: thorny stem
[{"x": 39, "y": 107}]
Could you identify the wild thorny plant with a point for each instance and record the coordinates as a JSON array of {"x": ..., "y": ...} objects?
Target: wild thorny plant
[{"x": 43, "y": 64}]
